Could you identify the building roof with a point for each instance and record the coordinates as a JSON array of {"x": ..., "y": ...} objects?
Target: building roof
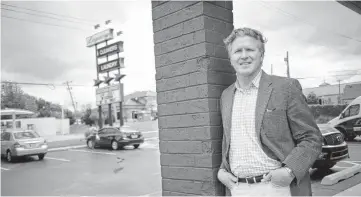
[
  {"x": 11, "y": 111},
  {"x": 140, "y": 94},
  {"x": 352, "y": 91},
  {"x": 327, "y": 90}
]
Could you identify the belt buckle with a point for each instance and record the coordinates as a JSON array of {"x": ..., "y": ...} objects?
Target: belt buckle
[{"x": 247, "y": 179}]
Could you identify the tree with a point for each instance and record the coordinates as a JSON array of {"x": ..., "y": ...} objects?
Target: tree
[
  {"x": 12, "y": 96},
  {"x": 86, "y": 118},
  {"x": 69, "y": 114},
  {"x": 312, "y": 98}
]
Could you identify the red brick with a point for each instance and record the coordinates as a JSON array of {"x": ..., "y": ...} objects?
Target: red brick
[
  {"x": 191, "y": 133},
  {"x": 191, "y": 147},
  {"x": 218, "y": 26},
  {"x": 190, "y": 120},
  {"x": 217, "y": 12},
  {"x": 188, "y": 93},
  {"x": 186, "y": 160},
  {"x": 221, "y": 78},
  {"x": 190, "y": 187},
  {"x": 192, "y": 79},
  {"x": 224, "y": 4},
  {"x": 208, "y": 160},
  {"x": 189, "y": 173},
  {"x": 193, "y": 106},
  {"x": 169, "y": 8},
  {"x": 180, "y": 29},
  {"x": 178, "y": 17},
  {"x": 188, "y": 40},
  {"x": 194, "y": 65}
]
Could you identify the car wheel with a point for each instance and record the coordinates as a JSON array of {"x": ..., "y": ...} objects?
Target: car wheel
[
  {"x": 351, "y": 137},
  {"x": 114, "y": 145},
  {"x": 136, "y": 146},
  {"x": 9, "y": 156},
  {"x": 90, "y": 144},
  {"x": 325, "y": 166},
  {"x": 41, "y": 156}
]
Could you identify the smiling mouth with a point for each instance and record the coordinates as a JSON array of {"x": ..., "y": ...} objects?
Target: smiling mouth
[{"x": 245, "y": 63}]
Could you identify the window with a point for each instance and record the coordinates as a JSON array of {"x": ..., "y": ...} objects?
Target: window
[
  {"x": 5, "y": 136},
  {"x": 25, "y": 135},
  {"x": 9, "y": 124},
  {"x": 18, "y": 124},
  {"x": 354, "y": 110}
]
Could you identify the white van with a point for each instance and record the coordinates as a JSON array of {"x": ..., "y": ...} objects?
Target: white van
[{"x": 349, "y": 121}]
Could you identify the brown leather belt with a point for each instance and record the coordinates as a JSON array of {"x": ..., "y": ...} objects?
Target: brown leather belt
[{"x": 251, "y": 180}]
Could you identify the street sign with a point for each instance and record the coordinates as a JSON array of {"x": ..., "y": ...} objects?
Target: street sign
[
  {"x": 99, "y": 37},
  {"x": 111, "y": 65},
  {"x": 111, "y": 49},
  {"x": 109, "y": 94}
]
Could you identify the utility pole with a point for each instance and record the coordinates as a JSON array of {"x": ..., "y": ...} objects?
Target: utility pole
[
  {"x": 71, "y": 96},
  {"x": 339, "y": 91},
  {"x": 288, "y": 65},
  {"x": 271, "y": 69}
]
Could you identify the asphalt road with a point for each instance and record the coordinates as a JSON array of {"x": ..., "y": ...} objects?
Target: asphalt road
[
  {"x": 85, "y": 172},
  {"x": 103, "y": 172}
]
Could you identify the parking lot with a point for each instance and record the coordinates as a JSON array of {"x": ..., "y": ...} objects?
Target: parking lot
[
  {"x": 86, "y": 172},
  {"x": 129, "y": 172}
]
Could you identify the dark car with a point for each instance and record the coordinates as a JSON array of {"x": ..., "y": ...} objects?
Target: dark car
[
  {"x": 115, "y": 138},
  {"x": 334, "y": 147}
]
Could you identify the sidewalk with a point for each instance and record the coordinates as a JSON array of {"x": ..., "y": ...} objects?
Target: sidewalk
[
  {"x": 352, "y": 191},
  {"x": 57, "y": 138}
]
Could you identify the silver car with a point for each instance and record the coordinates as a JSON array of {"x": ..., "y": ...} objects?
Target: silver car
[{"x": 18, "y": 143}]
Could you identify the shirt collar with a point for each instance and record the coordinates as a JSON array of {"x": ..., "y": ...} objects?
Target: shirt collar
[{"x": 254, "y": 83}]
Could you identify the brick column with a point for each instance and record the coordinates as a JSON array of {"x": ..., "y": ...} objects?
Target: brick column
[{"x": 192, "y": 70}]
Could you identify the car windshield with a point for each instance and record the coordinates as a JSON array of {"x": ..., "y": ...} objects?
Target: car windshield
[{"x": 25, "y": 135}]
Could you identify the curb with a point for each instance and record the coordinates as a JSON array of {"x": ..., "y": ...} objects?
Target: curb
[
  {"x": 65, "y": 148},
  {"x": 341, "y": 175}
]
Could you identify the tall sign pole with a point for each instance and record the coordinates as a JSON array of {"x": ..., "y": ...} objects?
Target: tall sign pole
[{"x": 111, "y": 93}]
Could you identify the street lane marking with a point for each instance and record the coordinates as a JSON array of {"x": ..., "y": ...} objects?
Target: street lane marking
[
  {"x": 151, "y": 194},
  {"x": 57, "y": 159},
  {"x": 87, "y": 151},
  {"x": 4, "y": 168},
  {"x": 151, "y": 138}
]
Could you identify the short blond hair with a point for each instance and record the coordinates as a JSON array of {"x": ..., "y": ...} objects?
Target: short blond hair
[{"x": 245, "y": 31}]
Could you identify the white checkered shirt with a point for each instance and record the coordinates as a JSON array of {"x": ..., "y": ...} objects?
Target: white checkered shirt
[{"x": 246, "y": 155}]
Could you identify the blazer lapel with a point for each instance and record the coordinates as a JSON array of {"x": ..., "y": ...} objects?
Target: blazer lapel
[
  {"x": 264, "y": 93},
  {"x": 227, "y": 109}
]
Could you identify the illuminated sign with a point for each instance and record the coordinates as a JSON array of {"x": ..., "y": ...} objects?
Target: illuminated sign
[
  {"x": 99, "y": 37},
  {"x": 111, "y": 65},
  {"x": 110, "y": 49},
  {"x": 109, "y": 94}
]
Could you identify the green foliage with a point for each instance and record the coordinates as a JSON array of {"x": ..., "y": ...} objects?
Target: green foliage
[
  {"x": 326, "y": 111},
  {"x": 312, "y": 98},
  {"x": 86, "y": 118}
]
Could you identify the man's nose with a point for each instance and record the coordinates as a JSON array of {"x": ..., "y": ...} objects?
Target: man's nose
[{"x": 244, "y": 55}]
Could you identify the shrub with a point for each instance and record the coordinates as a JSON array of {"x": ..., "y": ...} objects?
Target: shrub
[{"x": 326, "y": 111}]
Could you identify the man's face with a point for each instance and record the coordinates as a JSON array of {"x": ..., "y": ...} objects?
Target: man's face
[{"x": 246, "y": 56}]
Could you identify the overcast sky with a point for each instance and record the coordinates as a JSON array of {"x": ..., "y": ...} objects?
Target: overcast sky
[{"x": 313, "y": 33}]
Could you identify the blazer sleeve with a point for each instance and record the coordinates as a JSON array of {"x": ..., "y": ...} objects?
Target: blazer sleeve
[
  {"x": 223, "y": 166},
  {"x": 305, "y": 133}
]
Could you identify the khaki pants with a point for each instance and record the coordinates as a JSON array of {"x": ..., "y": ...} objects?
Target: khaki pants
[{"x": 260, "y": 189}]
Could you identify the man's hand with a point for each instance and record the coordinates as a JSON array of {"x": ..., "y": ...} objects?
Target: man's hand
[
  {"x": 279, "y": 177},
  {"x": 227, "y": 179}
]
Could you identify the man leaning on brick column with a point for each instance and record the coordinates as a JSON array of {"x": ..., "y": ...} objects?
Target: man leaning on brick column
[{"x": 270, "y": 139}]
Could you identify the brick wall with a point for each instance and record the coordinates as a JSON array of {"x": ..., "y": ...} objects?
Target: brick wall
[{"x": 192, "y": 70}]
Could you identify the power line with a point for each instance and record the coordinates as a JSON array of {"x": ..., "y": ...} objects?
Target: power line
[
  {"x": 39, "y": 15},
  {"x": 41, "y": 84},
  {"x": 307, "y": 22},
  {"x": 49, "y": 24},
  {"x": 39, "y": 11}
]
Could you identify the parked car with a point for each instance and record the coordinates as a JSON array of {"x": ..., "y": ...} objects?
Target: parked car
[
  {"x": 115, "y": 138},
  {"x": 18, "y": 143},
  {"x": 349, "y": 120},
  {"x": 334, "y": 148}
]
